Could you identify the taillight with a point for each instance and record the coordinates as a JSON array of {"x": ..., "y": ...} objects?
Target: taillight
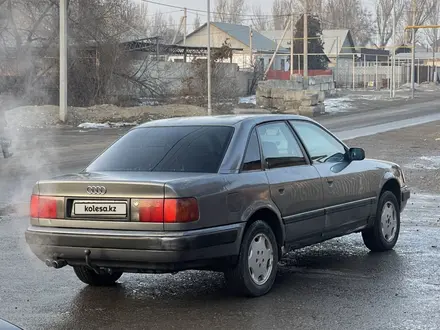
[
  {"x": 151, "y": 210},
  {"x": 43, "y": 207},
  {"x": 177, "y": 210},
  {"x": 181, "y": 210}
]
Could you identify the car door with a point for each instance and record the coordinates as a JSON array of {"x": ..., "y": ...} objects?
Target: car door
[
  {"x": 295, "y": 185},
  {"x": 348, "y": 194}
]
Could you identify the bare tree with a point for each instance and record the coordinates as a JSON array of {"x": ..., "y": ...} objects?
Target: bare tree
[
  {"x": 384, "y": 20},
  {"x": 230, "y": 11},
  {"x": 349, "y": 14},
  {"x": 195, "y": 82},
  {"x": 237, "y": 8},
  {"x": 278, "y": 15},
  {"x": 197, "y": 22},
  {"x": 417, "y": 13},
  {"x": 137, "y": 14},
  {"x": 29, "y": 30},
  {"x": 282, "y": 10},
  {"x": 164, "y": 27},
  {"x": 97, "y": 60},
  {"x": 221, "y": 11},
  {"x": 432, "y": 35},
  {"x": 260, "y": 20},
  {"x": 315, "y": 7}
]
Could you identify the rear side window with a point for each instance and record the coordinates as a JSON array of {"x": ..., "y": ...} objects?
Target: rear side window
[
  {"x": 197, "y": 149},
  {"x": 280, "y": 148},
  {"x": 252, "y": 158}
]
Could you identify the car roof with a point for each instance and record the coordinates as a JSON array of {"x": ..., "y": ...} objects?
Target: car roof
[
  {"x": 5, "y": 325},
  {"x": 224, "y": 120}
]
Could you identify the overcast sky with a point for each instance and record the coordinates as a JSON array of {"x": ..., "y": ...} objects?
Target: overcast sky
[{"x": 202, "y": 5}]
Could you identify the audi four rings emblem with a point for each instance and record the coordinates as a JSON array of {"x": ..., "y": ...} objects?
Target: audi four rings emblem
[{"x": 96, "y": 190}]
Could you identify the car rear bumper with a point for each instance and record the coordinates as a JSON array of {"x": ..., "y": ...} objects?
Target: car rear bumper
[
  {"x": 136, "y": 251},
  {"x": 406, "y": 194}
]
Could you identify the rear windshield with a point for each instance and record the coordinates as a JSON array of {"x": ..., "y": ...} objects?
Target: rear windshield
[{"x": 167, "y": 149}]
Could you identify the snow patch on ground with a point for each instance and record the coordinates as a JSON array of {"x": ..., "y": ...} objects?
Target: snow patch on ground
[
  {"x": 106, "y": 125},
  {"x": 379, "y": 96},
  {"x": 105, "y": 115},
  {"x": 424, "y": 87},
  {"x": 148, "y": 102},
  {"x": 248, "y": 100},
  {"x": 340, "y": 104},
  {"x": 425, "y": 163},
  {"x": 409, "y": 86}
]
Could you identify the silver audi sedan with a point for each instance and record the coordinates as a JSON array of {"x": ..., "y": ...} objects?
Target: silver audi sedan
[{"x": 224, "y": 193}]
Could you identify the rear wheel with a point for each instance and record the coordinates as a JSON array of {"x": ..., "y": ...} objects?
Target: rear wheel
[
  {"x": 88, "y": 276},
  {"x": 255, "y": 271},
  {"x": 384, "y": 234}
]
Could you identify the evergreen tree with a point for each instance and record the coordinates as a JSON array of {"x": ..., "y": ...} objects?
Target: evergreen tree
[{"x": 315, "y": 44}]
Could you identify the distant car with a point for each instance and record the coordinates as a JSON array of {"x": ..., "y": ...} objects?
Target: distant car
[{"x": 223, "y": 193}]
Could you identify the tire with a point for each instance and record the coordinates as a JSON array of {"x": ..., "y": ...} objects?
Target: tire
[
  {"x": 376, "y": 239},
  {"x": 88, "y": 276},
  {"x": 240, "y": 278}
]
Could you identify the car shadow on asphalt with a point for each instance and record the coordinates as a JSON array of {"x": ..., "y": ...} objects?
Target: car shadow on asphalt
[{"x": 330, "y": 270}]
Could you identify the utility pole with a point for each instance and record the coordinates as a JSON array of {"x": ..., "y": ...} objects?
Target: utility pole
[
  {"x": 185, "y": 27},
  {"x": 336, "y": 75},
  {"x": 63, "y": 60},
  {"x": 276, "y": 49},
  {"x": 434, "y": 47},
  {"x": 394, "y": 51},
  {"x": 209, "y": 58},
  {"x": 365, "y": 71},
  {"x": 182, "y": 19},
  {"x": 291, "y": 46},
  {"x": 157, "y": 48},
  {"x": 251, "y": 52},
  {"x": 354, "y": 72},
  {"x": 413, "y": 53},
  {"x": 377, "y": 73},
  {"x": 306, "y": 44}
]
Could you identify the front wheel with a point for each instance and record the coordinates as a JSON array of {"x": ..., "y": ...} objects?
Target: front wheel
[
  {"x": 255, "y": 271},
  {"x": 88, "y": 276},
  {"x": 384, "y": 234}
]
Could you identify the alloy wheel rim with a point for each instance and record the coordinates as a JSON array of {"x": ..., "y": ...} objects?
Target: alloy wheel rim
[
  {"x": 260, "y": 259},
  {"x": 388, "y": 222}
]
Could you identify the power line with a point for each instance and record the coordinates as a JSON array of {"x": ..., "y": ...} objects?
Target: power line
[
  {"x": 163, "y": 13},
  {"x": 212, "y": 12},
  {"x": 162, "y": 4}
]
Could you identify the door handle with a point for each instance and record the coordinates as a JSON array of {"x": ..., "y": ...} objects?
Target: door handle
[
  {"x": 330, "y": 181},
  {"x": 281, "y": 191}
]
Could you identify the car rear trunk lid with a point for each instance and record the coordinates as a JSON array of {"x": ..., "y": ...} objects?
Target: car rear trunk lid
[{"x": 103, "y": 201}]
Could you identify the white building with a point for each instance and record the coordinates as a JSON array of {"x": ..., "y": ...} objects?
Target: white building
[{"x": 239, "y": 37}]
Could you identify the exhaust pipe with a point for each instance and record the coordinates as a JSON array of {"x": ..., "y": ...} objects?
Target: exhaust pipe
[{"x": 57, "y": 264}]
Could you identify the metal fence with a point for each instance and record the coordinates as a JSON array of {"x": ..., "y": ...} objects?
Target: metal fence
[{"x": 356, "y": 72}]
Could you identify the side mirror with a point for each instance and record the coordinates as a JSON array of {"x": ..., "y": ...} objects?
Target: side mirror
[{"x": 356, "y": 154}]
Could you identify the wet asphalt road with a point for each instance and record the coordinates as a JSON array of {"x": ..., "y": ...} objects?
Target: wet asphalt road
[{"x": 335, "y": 285}]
